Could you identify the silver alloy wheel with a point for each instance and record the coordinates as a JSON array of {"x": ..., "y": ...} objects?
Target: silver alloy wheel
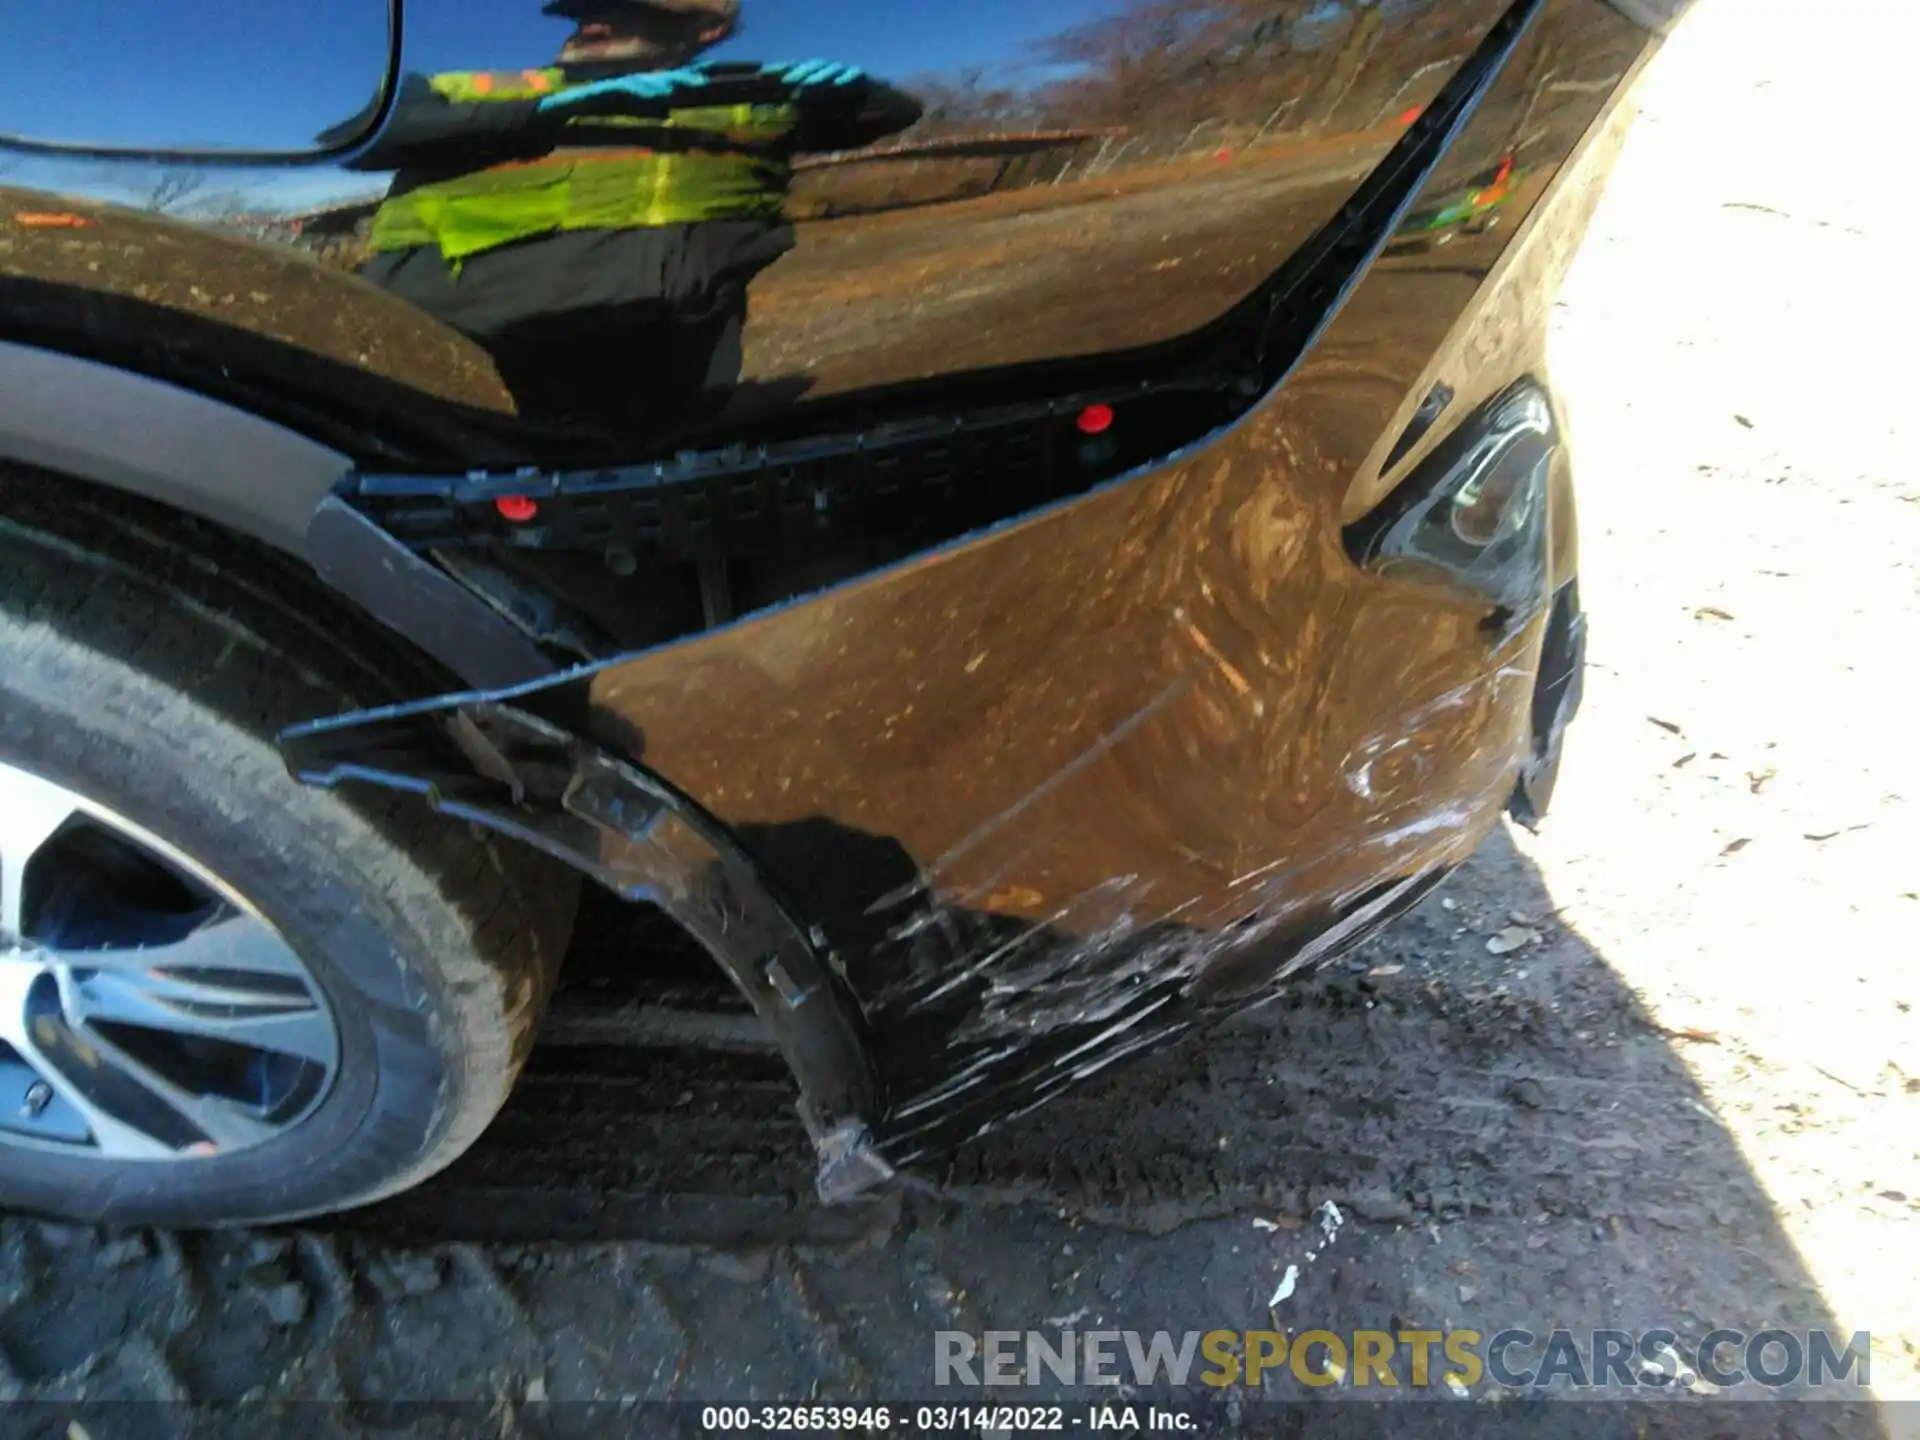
[{"x": 146, "y": 1012}]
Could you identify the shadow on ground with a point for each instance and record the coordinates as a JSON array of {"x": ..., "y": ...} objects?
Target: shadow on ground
[{"x": 1507, "y": 1139}]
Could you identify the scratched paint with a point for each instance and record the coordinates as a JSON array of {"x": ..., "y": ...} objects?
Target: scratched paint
[{"x": 1058, "y": 794}]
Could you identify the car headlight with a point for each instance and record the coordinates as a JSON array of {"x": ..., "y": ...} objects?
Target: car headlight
[{"x": 1475, "y": 510}]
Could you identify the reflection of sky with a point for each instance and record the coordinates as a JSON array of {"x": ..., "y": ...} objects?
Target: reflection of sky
[
  {"x": 893, "y": 38},
  {"x": 186, "y": 72}
]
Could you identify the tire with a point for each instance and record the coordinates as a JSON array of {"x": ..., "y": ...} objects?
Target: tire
[{"x": 146, "y": 663}]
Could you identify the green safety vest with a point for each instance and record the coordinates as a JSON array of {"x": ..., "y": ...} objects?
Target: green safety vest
[{"x": 597, "y": 188}]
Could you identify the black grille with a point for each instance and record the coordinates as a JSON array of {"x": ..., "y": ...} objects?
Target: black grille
[
  {"x": 783, "y": 502},
  {"x": 919, "y": 482}
]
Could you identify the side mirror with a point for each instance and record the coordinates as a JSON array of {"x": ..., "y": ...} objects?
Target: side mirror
[{"x": 195, "y": 79}]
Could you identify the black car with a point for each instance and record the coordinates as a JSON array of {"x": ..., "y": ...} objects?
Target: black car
[{"x": 988, "y": 533}]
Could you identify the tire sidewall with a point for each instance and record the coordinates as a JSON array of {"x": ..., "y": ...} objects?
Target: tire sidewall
[{"x": 351, "y": 907}]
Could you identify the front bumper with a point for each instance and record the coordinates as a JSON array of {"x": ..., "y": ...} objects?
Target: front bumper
[{"x": 975, "y": 827}]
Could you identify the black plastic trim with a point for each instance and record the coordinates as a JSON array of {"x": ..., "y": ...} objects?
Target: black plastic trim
[
  {"x": 144, "y": 436},
  {"x": 1558, "y": 692},
  {"x": 420, "y": 601},
  {"x": 512, "y": 771}
]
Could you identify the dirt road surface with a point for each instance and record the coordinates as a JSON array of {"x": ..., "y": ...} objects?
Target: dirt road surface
[
  {"x": 1690, "y": 1099},
  {"x": 1127, "y": 260}
]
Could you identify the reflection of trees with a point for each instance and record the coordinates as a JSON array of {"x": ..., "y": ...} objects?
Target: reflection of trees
[
  {"x": 184, "y": 193},
  {"x": 1255, "y": 67},
  {"x": 966, "y": 100},
  {"x": 171, "y": 189}
]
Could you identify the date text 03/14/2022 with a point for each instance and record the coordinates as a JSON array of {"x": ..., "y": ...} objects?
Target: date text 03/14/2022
[{"x": 941, "y": 1419}]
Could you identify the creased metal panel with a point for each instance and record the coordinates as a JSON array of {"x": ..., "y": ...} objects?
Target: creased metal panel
[{"x": 1048, "y": 790}]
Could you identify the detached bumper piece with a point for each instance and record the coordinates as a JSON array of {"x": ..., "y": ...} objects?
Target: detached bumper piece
[
  {"x": 514, "y": 772},
  {"x": 1556, "y": 701}
]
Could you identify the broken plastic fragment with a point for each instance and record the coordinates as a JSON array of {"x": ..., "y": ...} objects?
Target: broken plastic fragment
[
  {"x": 1286, "y": 1286},
  {"x": 1330, "y": 1220}
]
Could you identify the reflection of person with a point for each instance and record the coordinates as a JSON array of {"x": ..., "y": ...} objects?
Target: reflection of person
[{"x": 595, "y": 224}]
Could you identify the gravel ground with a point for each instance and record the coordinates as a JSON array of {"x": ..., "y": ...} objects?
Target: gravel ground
[{"x": 1691, "y": 1099}]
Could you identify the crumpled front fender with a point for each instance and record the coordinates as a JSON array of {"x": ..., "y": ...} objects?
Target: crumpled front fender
[{"x": 972, "y": 828}]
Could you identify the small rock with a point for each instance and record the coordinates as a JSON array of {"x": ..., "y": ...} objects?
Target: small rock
[
  {"x": 1735, "y": 847},
  {"x": 749, "y": 1267},
  {"x": 1743, "y": 422},
  {"x": 1468, "y": 1293},
  {"x": 1538, "y": 1242},
  {"x": 1382, "y": 1205},
  {"x": 1514, "y": 937},
  {"x": 286, "y": 1305},
  {"x": 127, "y": 1250},
  {"x": 1666, "y": 725},
  {"x": 1528, "y": 1092},
  {"x": 264, "y": 1250},
  {"x": 404, "y": 1275}
]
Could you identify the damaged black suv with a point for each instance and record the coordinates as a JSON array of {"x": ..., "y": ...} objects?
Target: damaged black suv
[{"x": 1009, "y": 568}]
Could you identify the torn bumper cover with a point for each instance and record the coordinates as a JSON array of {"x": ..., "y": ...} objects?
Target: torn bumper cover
[
  {"x": 513, "y": 772},
  {"x": 972, "y": 828},
  {"x": 916, "y": 1007}
]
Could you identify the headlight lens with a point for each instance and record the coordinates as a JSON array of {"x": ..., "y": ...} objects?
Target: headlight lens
[{"x": 1476, "y": 509}]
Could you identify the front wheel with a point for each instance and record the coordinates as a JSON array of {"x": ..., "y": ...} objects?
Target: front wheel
[{"x": 225, "y": 998}]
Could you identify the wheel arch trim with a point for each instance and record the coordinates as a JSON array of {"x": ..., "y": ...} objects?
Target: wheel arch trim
[
  {"x": 143, "y": 436},
  {"x": 97, "y": 423}
]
